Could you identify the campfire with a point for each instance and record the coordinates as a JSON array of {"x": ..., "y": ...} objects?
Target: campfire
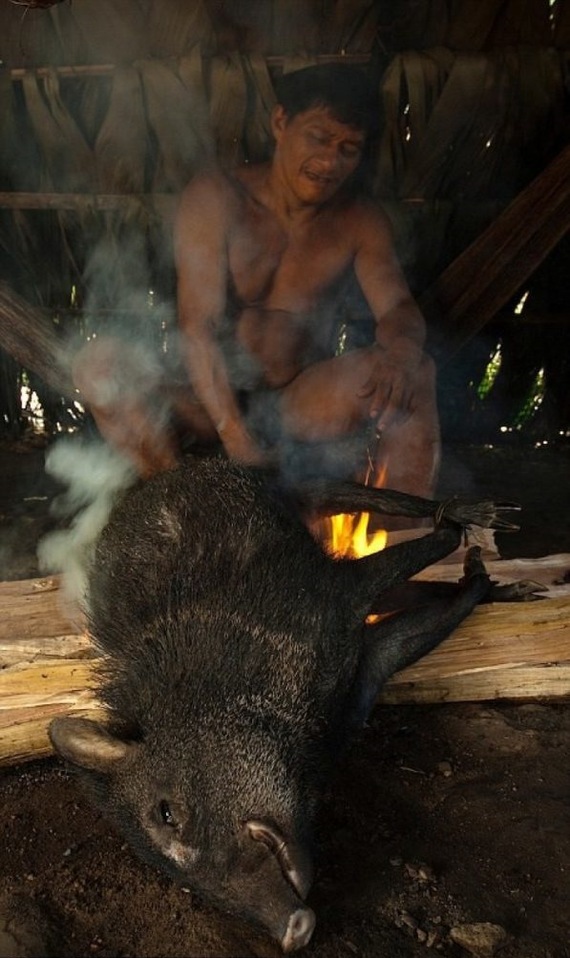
[{"x": 351, "y": 536}]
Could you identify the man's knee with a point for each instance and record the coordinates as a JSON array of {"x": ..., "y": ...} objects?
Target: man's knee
[
  {"x": 107, "y": 371},
  {"x": 425, "y": 380},
  {"x": 95, "y": 371}
]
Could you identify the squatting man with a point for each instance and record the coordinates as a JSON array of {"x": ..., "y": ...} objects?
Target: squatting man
[{"x": 261, "y": 254}]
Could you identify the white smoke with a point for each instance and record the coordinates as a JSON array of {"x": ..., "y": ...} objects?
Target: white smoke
[{"x": 95, "y": 476}]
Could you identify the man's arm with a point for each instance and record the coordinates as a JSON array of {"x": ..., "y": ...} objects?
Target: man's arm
[
  {"x": 400, "y": 326},
  {"x": 200, "y": 249}
]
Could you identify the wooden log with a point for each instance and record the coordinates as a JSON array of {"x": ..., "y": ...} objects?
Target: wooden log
[
  {"x": 482, "y": 279},
  {"x": 502, "y": 651}
]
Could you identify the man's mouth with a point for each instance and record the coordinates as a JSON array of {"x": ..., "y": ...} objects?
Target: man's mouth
[{"x": 319, "y": 178}]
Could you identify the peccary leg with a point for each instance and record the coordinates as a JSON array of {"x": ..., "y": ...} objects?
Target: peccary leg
[
  {"x": 407, "y": 595},
  {"x": 368, "y": 577},
  {"x": 404, "y": 637},
  {"x": 373, "y": 575}
]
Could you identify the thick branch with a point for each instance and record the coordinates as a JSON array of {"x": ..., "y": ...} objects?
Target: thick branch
[
  {"x": 480, "y": 281},
  {"x": 30, "y": 337}
]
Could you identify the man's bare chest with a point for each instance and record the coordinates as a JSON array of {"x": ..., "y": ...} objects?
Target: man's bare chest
[{"x": 285, "y": 269}]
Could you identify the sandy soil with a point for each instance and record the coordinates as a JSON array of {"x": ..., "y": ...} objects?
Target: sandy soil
[{"x": 441, "y": 816}]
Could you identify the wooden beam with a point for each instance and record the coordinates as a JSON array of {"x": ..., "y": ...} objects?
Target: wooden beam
[
  {"x": 157, "y": 204},
  {"x": 482, "y": 279},
  {"x": 81, "y": 71},
  {"x": 502, "y": 651}
]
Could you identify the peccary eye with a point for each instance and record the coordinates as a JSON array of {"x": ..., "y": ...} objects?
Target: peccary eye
[{"x": 166, "y": 815}]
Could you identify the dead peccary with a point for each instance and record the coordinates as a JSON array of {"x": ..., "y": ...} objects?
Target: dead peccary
[{"x": 236, "y": 665}]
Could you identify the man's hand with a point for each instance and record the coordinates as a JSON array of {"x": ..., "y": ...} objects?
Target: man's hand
[
  {"x": 241, "y": 446},
  {"x": 391, "y": 388}
]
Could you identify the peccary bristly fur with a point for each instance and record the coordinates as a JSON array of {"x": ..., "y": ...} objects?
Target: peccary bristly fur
[{"x": 236, "y": 665}]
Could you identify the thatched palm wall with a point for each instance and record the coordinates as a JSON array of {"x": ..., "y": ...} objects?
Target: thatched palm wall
[{"x": 116, "y": 103}]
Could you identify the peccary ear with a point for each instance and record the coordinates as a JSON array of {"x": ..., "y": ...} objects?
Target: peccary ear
[{"x": 87, "y": 743}]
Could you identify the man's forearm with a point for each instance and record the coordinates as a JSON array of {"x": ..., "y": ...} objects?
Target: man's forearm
[
  {"x": 401, "y": 332},
  {"x": 211, "y": 383}
]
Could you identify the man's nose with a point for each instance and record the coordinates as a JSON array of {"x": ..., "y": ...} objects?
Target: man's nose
[{"x": 329, "y": 156}]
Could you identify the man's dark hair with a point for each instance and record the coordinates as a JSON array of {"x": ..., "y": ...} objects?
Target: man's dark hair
[{"x": 342, "y": 88}]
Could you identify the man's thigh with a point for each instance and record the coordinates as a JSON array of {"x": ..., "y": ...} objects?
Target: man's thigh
[{"x": 326, "y": 400}]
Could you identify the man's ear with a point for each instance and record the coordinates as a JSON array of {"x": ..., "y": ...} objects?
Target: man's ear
[{"x": 278, "y": 121}]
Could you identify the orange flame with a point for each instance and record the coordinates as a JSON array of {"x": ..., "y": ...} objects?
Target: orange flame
[{"x": 348, "y": 535}]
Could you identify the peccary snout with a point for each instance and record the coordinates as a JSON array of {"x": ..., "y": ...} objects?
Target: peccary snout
[
  {"x": 299, "y": 930},
  {"x": 193, "y": 826}
]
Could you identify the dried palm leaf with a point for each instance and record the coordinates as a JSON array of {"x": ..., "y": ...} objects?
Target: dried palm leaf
[
  {"x": 71, "y": 43},
  {"x": 176, "y": 112},
  {"x": 447, "y": 133},
  {"x": 69, "y": 161},
  {"x": 108, "y": 31},
  {"x": 297, "y": 28},
  {"x": 521, "y": 22},
  {"x": 472, "y": 24},
  {"x": 174, "y": 28},
  {"x": 191, "y": 73},
  {"x": 67, "y": 165},
  {"x": 392, "y": 150},
  {"x": 92, "y": 99},
  {"x": 349, "y": 26},
  {"x": 27, "y": 36},
  {"x": 228, "y": 105},
  {"x": 122, "y": 145},
  {"x": 425, "y": 75},
  {"x": 415, "y": 24},
  {"x": 258, "y": 136}
]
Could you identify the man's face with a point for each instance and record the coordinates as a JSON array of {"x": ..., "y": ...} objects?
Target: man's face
[{"x": 314, "y": 153}]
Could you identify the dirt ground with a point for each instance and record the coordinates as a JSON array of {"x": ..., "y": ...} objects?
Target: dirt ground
[{"x": 441, "y": 817}]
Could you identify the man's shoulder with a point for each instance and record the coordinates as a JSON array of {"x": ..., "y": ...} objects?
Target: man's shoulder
[
  {"x": 369, "y": 212},
  {"x": 209, "y": 184},
  {"x": 361, "y": 218},
  {"x": 215, "y": 179},
  {"x": 228, "y": 192},
  {"x": 368, "y": 225}
]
